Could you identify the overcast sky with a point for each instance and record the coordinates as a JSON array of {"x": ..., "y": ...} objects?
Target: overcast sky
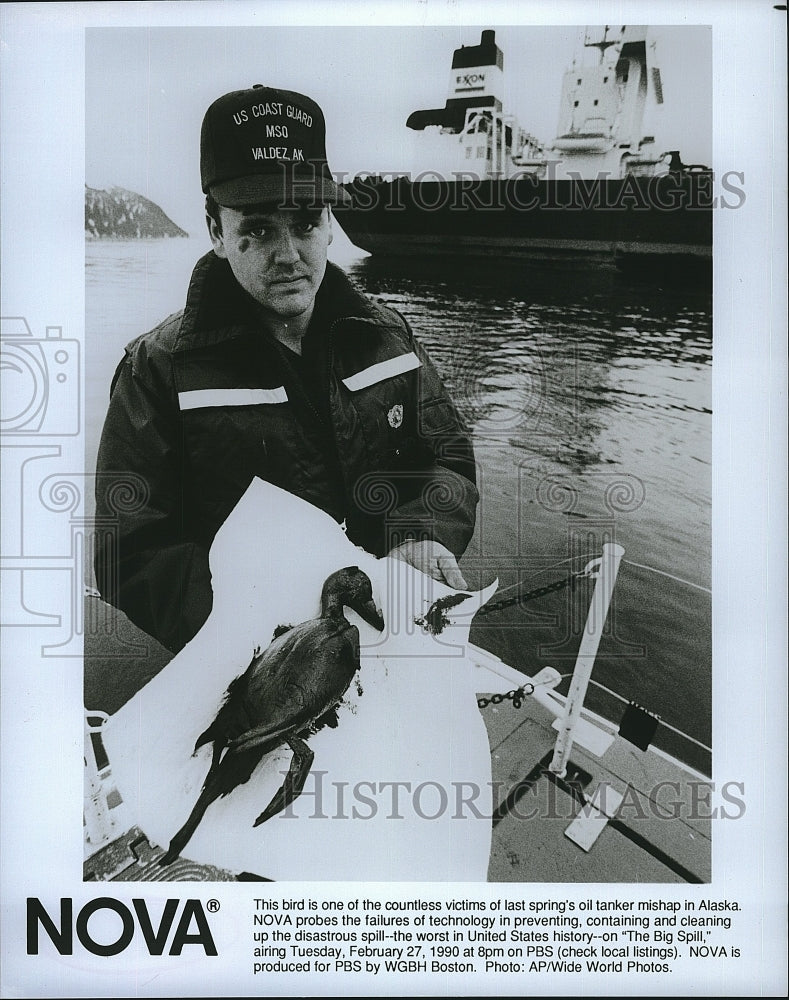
[{"x": 147, "y": 90}]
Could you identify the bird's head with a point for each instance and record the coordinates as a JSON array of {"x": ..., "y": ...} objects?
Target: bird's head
[{"x": 351, "y": 587}]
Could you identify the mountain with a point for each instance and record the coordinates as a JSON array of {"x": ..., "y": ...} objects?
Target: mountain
[{"x": 125, "y": 215}]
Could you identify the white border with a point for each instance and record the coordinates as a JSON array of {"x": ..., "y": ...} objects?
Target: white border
[{"x": 42, "y": 259}]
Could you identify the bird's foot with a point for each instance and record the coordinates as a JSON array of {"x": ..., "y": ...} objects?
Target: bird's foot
[
  {"x": 294, "y": 780},
  {"x": 168, "y": 857}
]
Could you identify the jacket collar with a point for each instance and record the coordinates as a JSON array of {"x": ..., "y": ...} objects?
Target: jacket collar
[{"x": 217, "y": 309}]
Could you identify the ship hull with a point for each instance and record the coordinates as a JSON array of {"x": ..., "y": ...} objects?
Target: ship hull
[{"x": 638, "y": 218}]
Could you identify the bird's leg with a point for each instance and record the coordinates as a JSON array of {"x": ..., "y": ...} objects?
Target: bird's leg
[
  {"x": 294, "y": 780},
  {"x": 209, "y": 793},
  {"x": 223, "y": 776}
]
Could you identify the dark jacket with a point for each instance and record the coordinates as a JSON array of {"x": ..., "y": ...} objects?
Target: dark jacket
[{"x": 360, "y": 426}]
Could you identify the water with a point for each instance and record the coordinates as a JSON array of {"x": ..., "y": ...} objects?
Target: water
[{"x": 588, "y": 395}]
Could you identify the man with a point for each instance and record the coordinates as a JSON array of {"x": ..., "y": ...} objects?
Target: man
[{"x": 278, "y": 368}]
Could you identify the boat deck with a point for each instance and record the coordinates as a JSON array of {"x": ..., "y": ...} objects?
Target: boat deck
[{"x": 651, "y": 838}]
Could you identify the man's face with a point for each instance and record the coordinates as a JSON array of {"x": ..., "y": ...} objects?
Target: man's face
[{"x": 277, "y": 255}]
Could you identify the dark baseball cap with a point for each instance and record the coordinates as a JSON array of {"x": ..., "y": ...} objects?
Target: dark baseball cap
[{"x": 266, "y": 145}]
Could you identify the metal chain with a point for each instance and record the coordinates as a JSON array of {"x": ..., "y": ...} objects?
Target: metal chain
[
  {"x": 529, "y": 595},
  {"x": 516, "y": 696}
]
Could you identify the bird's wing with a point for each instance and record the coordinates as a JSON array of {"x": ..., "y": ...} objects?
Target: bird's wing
[
  {"x": 298, "y": 678},
  {"x": 265, "y": 733}
]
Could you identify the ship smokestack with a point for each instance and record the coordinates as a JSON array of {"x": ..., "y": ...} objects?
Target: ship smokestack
[{"x": 476, "y": 80}]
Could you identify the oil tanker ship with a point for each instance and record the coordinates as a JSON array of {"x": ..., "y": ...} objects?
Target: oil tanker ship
[{"x": 609, "y": 183}]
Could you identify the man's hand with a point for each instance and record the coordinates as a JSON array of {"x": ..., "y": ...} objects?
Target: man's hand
[{"x": 432, "y": 558}]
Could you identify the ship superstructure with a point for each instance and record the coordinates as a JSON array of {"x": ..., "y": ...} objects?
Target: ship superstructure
[
  {"x": 609, "y": 95},
  {"x": 471, "y": 133},
  {"x": 612, "y": 97}
]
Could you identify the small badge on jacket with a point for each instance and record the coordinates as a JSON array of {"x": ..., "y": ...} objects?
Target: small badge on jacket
[{"x": 395, "y": 415}]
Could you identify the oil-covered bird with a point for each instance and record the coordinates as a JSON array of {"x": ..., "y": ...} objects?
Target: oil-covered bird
[{"x": 287, "y": 693}]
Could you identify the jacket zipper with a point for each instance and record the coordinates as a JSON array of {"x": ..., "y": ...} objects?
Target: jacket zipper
[
  {"x": 332, "y": 429},
  {"x": 322, "y": 421}
]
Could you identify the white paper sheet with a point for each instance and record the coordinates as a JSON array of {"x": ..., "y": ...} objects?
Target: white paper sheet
[{"x": 416, "y": 722}]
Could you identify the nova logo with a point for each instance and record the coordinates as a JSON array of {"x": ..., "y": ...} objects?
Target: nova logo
[{"x": 62, "y": 936}]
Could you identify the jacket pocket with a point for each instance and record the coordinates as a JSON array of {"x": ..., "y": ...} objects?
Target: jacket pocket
[{"x": 225, "y": 447}]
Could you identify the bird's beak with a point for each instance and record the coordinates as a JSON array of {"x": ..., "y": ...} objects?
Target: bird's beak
[{"x": 368, "y": 611}]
